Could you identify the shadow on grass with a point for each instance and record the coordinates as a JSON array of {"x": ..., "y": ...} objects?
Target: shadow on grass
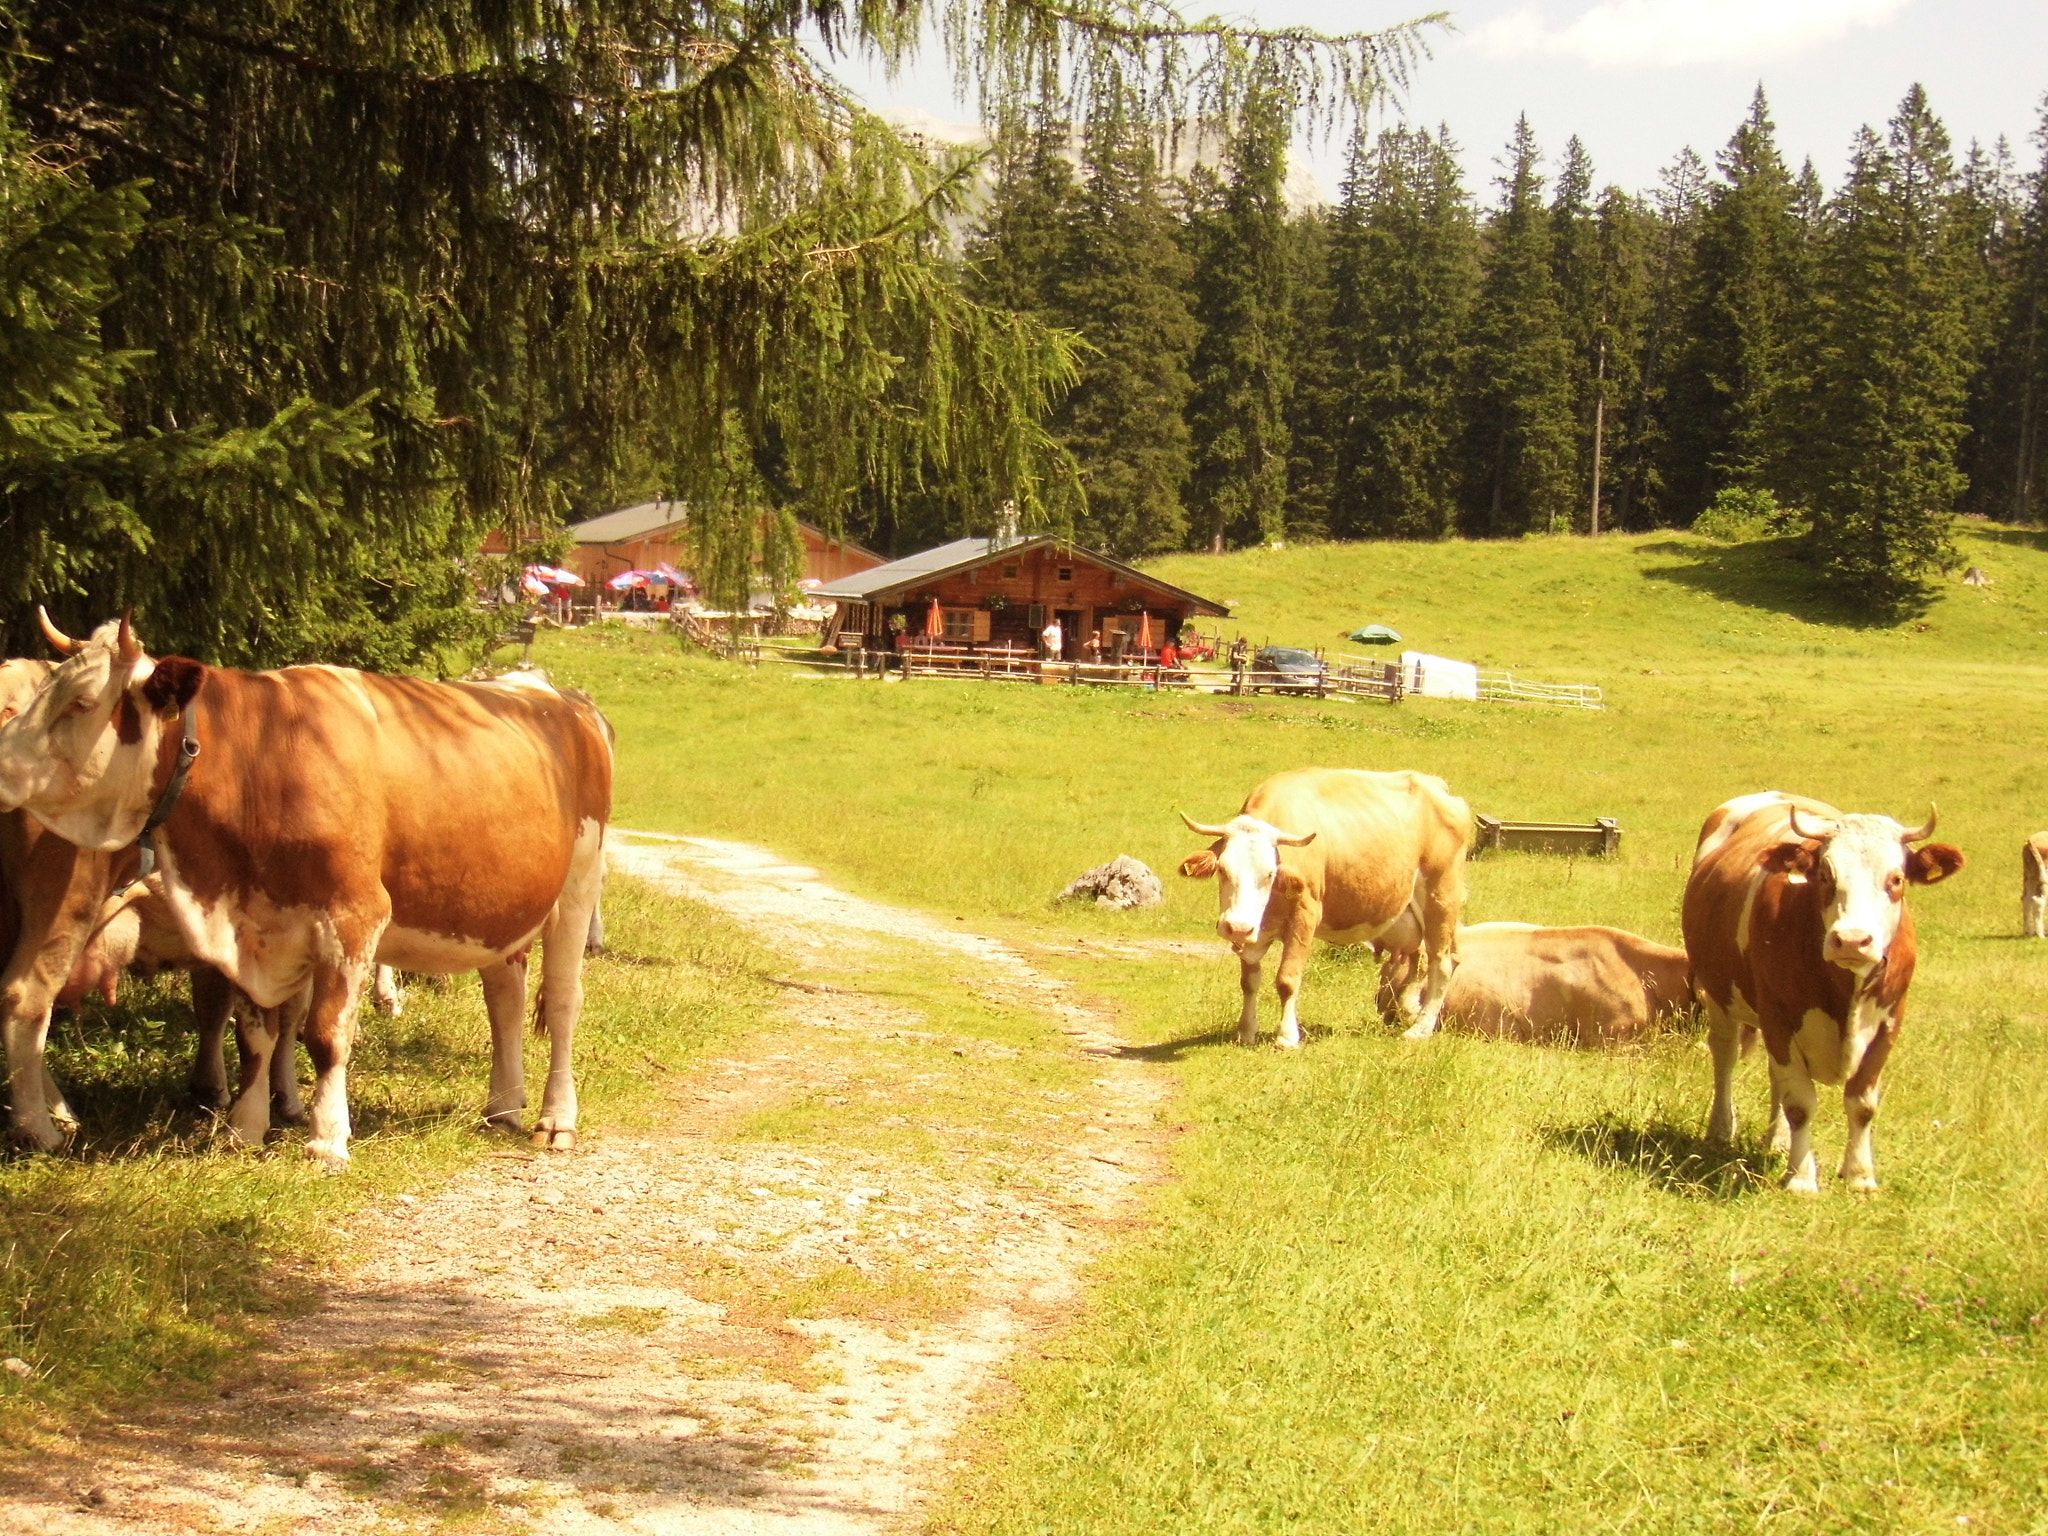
[
  {"x": 2025, "y": 538},
  {"x": 1668, "y": 1156},
  {"x": 1765, "y": 574},
  {"x": 125, "y": 1070},
  {"x": 1176, "y": 1050}
]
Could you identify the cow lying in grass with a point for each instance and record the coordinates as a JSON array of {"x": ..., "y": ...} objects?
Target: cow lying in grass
[{"x": 1587, "y": 986}]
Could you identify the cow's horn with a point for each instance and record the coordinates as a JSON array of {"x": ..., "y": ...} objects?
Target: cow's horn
[
  {"x": 1799, "y": 831},
  {"x": 131, "y": 648},
  {"x": 1294, "y": 839},
  {"x": 1201, "y": 830},
  {"x": 1921, "y": 834},
  {"x": 64, "y": 644}
]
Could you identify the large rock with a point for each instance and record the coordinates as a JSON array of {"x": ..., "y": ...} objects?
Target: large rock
[{"x": 1122, "y": 882}]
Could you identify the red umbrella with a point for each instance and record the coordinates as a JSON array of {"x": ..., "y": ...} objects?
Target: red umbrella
[
  {"x": 934, "y": 621},
  {"x": 1145, "y": 632}
]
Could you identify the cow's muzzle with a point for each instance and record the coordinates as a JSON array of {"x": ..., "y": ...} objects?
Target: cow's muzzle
[
  {"x": 1851, "y": 948},
  {"x": 1237, "y": 935}
]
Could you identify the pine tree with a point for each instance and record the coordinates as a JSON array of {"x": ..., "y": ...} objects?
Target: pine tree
[
  {"x": 415, "y": 271},
  {"x": 1995, "y": 220},
  {"x": 1666, "y": 230},
  {"x": 1581, "y": 281},
  {"x": 1238, "y": 410},
  {"x": 1314, "y": 425},
  {"x": 1628, "y": 240},
  {"x": 2019, "y": 469},
  {"x": 1404, "y": 269},
  {"x": 1520, "y": 442},
  {"x": 1734, "y": 382},
  {"x": 1121, "y": 284},
  {"x": 1892, "y": 367}
]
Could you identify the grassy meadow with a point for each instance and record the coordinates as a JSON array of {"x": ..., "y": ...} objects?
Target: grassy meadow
[{"x": 1464, "y": 1285}]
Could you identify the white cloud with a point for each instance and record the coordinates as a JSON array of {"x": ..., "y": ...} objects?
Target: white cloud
[{"x": 1683, "y": 31}]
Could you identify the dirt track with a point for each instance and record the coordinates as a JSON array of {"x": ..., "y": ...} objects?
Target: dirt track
[{"x": 694, "y": 1329}]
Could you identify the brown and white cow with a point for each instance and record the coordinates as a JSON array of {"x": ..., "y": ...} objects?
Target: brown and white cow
[
  {"x": 1347, "y": 856},
  {"x": 1796, "y": 921},
  {"x": 1584, "y": 986},
  {"x": 55, "y": 952},
  {"x": 2034, "y": 886},
  {"x": 334, "y": 820}
]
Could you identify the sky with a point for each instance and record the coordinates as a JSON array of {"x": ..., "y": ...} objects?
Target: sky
[{"x": 1638, "y": 80}]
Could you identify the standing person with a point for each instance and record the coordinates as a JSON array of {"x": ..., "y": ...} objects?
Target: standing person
[
  {"x": 1054, "y": 639},
  {"x": 1093, "y": 649}
]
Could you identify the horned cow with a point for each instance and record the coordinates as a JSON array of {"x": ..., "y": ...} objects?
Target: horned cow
[
  {"x": 1347, "y": 856},
  {"x": 1796, "y": 920}
]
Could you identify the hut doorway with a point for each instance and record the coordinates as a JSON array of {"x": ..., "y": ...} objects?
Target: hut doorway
[{"x": 1071, "y": 637}]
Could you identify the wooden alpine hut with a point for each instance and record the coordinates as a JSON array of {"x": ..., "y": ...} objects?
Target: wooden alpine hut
[{"x": 999, "y": 594}]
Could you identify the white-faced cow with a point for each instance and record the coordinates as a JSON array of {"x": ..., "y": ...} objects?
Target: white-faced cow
[
  {"x": 2034, "y": 886},
  {"x": 1796, "y": 921},
  {"x": 59, "y": 945},
  {"x": 331, "y": 820},
  {"x": 1343, "y": 855},
  {"x": 1587, "y": 986}
]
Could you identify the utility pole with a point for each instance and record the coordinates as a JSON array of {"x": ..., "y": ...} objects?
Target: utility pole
[{"x": 1599, "y": 427}]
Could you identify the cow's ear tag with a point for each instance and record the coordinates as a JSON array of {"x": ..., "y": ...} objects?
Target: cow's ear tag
[
  {"x": 1795, "y": 877},
  {"x": 1199, "y": 866}
]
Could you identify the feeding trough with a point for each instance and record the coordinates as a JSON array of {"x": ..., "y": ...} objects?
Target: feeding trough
[{"x": 1599, "y": 838}]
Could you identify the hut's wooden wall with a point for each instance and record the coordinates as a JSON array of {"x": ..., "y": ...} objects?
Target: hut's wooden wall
[{"x": 1052, "y": 581}]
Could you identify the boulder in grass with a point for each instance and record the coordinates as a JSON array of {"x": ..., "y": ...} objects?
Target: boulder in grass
[{"x": 1120, "y": 884}]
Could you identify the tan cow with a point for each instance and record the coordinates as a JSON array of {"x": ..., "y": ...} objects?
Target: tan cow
[
  {"x": 2034, "y": 886},
  {"x": 333, "y": 820},
  {"x": 1797, "y": 924},
  {"x": 1585, "y": 986},
  {"x": 1343, "y": 855}
]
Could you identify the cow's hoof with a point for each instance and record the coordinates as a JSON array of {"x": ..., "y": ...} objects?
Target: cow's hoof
[
  {"x": 208, "y": 1101},
  {"x": 283, "y": 1112},
  {"x": 554, "y": 1140},
  {"x": 38, "y": 1139},
  {"x": 1282, "y": 1043},
  {"x": 1807, "y": 1183},
  {"x": 1862, "y": 1184},
  {"x": 1419, "y": 1031},
  {"x": 510, "y": 1122},
  {"x": 332, "y": 1156}
]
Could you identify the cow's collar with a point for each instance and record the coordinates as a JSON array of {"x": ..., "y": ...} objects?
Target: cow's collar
[{"x": 188, "y": 754}]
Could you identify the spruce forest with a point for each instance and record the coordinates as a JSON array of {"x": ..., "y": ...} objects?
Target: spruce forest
[
  {"x": 1737, "y": 345},
  {"x": 298, "y": 303}
]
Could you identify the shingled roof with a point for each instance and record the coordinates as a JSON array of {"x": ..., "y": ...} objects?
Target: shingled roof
[{"x": 884, "y": 582}]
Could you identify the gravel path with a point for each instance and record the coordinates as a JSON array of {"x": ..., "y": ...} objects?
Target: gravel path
[{"x": 693, "y": 1329}]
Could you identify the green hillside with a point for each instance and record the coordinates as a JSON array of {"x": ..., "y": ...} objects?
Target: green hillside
[{"x": 1467, "y": 1285}]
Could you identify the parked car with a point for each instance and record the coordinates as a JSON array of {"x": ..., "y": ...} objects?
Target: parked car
[{"x": 1284, "y": 669}]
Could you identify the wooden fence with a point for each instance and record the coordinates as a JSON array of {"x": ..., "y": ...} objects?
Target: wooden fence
[{"x": 1506, "y": 688}]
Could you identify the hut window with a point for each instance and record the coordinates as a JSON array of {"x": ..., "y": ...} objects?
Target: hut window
[
  {"x": 966, "y": 624},
  {"x": 1066, "y": 573},
  {"x": 1010, "y": 571}
]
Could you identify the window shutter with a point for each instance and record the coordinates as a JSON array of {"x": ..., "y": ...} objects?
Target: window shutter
[{"x": 981, "y": 623}]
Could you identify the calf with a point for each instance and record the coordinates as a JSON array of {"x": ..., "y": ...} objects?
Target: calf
[{"x": 1797, "y": 924}]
